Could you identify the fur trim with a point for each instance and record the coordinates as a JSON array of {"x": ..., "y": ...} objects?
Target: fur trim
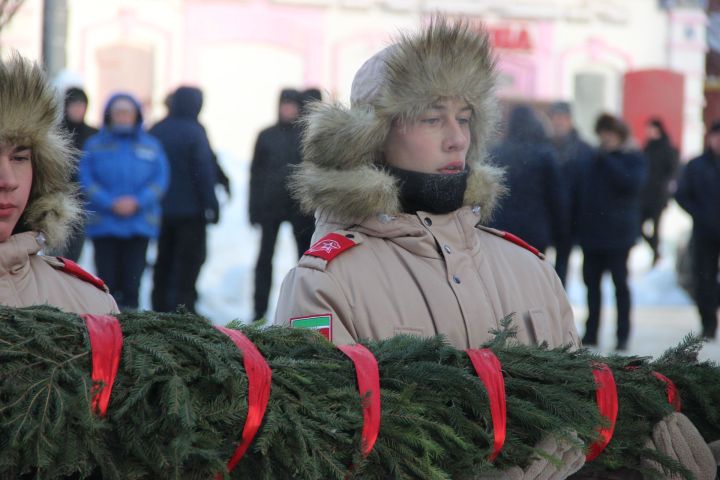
[
  {"x": 30, "y": 115},
  {"x": 342, "y": 174}
]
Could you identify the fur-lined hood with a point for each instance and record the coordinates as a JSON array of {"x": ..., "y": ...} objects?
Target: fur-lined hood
[
  {"x": 342, "y": 175},
  {"x": 30, "y": 115}
]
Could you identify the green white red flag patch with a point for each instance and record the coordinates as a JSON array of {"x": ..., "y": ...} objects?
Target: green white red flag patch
[{"x": 320, "y": 323}]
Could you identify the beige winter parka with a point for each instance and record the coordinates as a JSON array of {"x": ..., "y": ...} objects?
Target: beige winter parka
[
  {"x": 428, "y": 274},
  {"x": 420, "y": 273},
  {"x": 27, "y": 278}
]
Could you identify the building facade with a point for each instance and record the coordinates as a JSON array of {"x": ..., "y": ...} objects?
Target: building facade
[{"x": 600, "y": 56}]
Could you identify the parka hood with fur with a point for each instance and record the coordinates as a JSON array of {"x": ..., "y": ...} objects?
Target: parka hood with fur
[
  {"x": 30, "y": 116},
  {"x": 342, "y": 175}
]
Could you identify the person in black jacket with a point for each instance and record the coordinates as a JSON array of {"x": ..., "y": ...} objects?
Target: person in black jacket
[
  {"x": 277, "y": 149},
  {"x": 609, "y": 221},
  {"x": 663, "y": 161},
  {"x": 572, "y": 152},
  {"x": 76, "y": 103},
  {"x": 189, "y": 204},
  {"x": 698, "y": 193},
  {"x": 534, "y": 208}
]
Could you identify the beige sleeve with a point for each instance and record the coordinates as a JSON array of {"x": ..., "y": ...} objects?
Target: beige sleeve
[{"x": 307, "y": 292}]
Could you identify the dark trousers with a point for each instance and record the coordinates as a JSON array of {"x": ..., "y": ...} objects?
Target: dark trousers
[
  {"x": 181, "y": 253},
  {"x": 303, "y": 228},
  {"x": 120, "y": 262},
  {"x": 562, "y": 259},
  {"x": 653, "y": 238},
  {"x": 706, "y": 254},
  {"x": 595, "y": 264}
]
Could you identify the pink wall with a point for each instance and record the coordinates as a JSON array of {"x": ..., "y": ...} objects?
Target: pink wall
[{"x": 259, "y": 21}]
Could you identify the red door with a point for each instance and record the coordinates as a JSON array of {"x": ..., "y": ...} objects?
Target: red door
[{"x": 654, "y": 93}]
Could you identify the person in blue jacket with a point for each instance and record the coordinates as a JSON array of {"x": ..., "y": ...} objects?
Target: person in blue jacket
[
  {"x": 189, "y": 204},
  {"x": 124, "y": 175},
  {"x": 534, "y": 207},
  {"x": 698, "y": 193},
  {"x": 609, "y": 221}
]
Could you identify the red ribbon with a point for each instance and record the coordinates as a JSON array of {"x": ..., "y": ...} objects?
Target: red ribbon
[
  {"x": 259, "y": 377},
  {"x": 106, "y": 341},
  {"x": 672, "y": 392},
  {"x": 488, "y": 369},
  {"x": 673, "y": 395},
  {"x": 607, "y": 401},
  {"x": 368, "y": 379}
]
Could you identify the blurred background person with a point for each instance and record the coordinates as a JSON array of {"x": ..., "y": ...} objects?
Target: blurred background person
[
  {"x": 698, "y": 193},
  {"x": 662, "y": 163},
  {"x": 277, "y": 149},
  {"x": 534, "y": 208},
  {"x": 76, "y": 104},
  {"x": 188, "y": 205},
  {"x": 571, "y": 152},
  {"x": 124, "y": 175},
  {"x": 609, "y": 221}
]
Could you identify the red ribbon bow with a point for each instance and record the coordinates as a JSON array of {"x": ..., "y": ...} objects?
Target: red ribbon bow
[
  {"x": 106, "y": 340},
  {"x": 607, "y": 401},
  {"x": 489, "y": 370},
  {"x": 368, "y": 380},
  {"x": 259, "y": 377},
  {"x": 672, "y": 392}
]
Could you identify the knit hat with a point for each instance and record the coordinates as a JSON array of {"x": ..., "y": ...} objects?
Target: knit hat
[
  {"x": 30, "y": 115},
  {"x": 342, "y": 173},
  {"x": 74, "y": 95}
]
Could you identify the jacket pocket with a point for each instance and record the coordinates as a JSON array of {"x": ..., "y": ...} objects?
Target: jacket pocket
[{"x": 539, "y": 327}]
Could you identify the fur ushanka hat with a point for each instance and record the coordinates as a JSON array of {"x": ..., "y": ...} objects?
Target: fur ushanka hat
[
  {"x": 30, "y": 116},
  {"x": 342, "y": 174}
]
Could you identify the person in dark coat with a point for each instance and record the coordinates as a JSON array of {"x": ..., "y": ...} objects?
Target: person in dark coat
[
  {"x": 698, "y": 193},
  {"x": 76, "y": 103},
  {"x": 663, "y": 161},
  {"x": 277, "y": 150},
  {"x": 609, "y": 221},
  {"x": 534, "y": 208},
  {"x": 571, "y": 152},
  {"x": 189, "y": 203}
]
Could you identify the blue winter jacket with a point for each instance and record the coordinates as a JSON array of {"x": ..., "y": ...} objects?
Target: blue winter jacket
[
  {"x": 116, "y": 164},
  {"x": 698, "y": 193},
  {"x": 191, "y": 193},
  {"x": 609, "y": 200},
  {"x": 535, "y": 208}
]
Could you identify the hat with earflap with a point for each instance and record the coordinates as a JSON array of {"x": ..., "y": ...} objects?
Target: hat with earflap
[
  {"x": 343, "y": 174},
  {"x": 30, "y": 115}
]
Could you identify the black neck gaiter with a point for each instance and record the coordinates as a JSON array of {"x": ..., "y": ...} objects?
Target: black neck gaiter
[{"x": 430, "y": 192}]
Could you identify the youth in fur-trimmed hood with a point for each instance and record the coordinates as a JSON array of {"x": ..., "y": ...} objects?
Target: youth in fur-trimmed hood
[
  {"x": 343, "y": 174},
  {"x": 30, "y": 116}
]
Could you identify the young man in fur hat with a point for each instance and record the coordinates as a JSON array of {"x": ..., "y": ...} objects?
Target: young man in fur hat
[
  {"x": 400, "y": 190},
  {"x": 38, "y": 206}
]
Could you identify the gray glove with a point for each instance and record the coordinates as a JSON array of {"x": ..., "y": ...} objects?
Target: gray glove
[
  {"x": 715, "y": 449},
  {"x": 677, "y": 437},
  {"x": 571, "y": 456}
]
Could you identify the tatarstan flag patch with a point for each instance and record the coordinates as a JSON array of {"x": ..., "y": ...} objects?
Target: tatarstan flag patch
[{"x": 320, "y": 323}]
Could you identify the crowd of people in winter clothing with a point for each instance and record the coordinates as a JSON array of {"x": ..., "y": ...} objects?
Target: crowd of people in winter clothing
[
  {"x": 139, "y": 186},
  {"x": 403, "y": 187},
  {"x": 563, "y": 193}
]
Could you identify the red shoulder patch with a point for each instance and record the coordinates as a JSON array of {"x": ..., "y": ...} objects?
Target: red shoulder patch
[
  {"x": 77, "y": 271},
  {"x": 330, "y": 246},
  {"x": 514, "y": 239}
]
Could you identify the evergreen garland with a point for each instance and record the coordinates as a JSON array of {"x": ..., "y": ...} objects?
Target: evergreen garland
[{"x": 180, "y": 401}]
